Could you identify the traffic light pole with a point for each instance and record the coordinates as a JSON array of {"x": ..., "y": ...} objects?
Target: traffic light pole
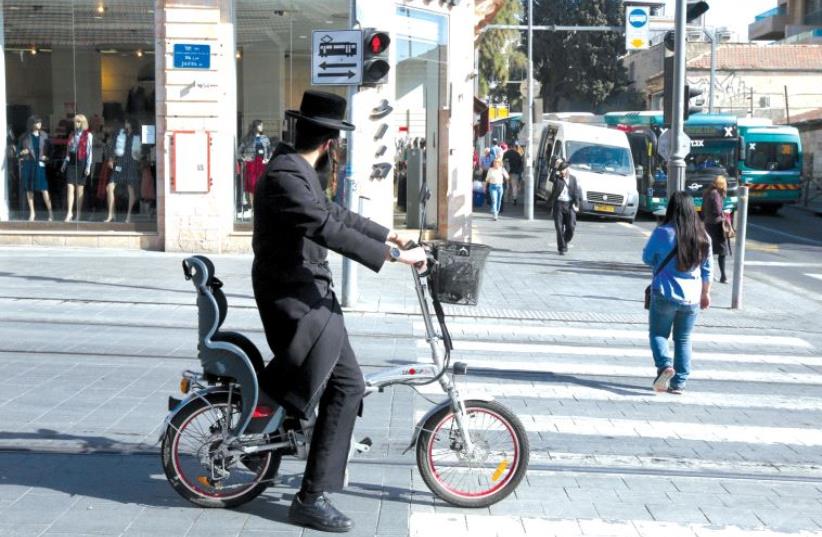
[
  {"x": 349, "y": 267},
  {"x": 676, "y": 164},
  {"x": 529, "y": 148}
]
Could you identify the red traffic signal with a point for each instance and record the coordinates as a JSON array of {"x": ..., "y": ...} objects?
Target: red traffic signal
[
  {"x": 375, "y": 64},
  {"x": 377, "y": 42}
]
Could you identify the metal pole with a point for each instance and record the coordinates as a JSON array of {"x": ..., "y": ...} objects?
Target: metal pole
[
  {"x": 529, "y": 146},
  {"x": 676, "y": 165},
  {"x": 787, "y": 107},
  {"x": 349, "y": 267},
  {"x": 739, "y": 255},
  {"x": 712, "y": 36}
]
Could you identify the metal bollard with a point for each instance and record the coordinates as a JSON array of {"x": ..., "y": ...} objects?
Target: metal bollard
[{"x": 739, "y": 259}]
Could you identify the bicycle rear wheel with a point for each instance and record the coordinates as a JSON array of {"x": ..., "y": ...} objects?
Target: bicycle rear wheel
[
  {"x": 478, "y": 479},
  {"x": 194, "y": 470}
]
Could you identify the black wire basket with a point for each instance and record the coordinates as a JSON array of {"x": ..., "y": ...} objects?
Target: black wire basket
[{"x": 456, "y": 277}]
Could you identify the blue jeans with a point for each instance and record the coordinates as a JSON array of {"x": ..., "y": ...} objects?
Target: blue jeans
[
  {"x": 664, "y": 315},
  {"x": 495, "y": 192}
]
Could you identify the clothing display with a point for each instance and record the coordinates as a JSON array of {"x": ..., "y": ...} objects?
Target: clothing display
[
  {"x": 79, "y": 157},
  {"x": 147, "y": 190},
  {"x": 255, "y": 153},
  {"x": 32, "y": 169},
  {"x": 126, "y": 151}
]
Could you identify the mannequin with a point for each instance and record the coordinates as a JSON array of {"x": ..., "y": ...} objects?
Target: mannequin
[
  {"x": 124, "y": 162},
  {"x": 77, "y": 165},
  {"x": 255, "y": 151},
  {"x": 33, "y": 158}
]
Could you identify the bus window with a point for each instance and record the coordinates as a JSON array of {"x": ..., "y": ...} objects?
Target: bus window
[{"x": 773, "y": 156}]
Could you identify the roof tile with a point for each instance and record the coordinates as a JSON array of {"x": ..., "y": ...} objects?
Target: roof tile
[{"x": 749, "y": 56}]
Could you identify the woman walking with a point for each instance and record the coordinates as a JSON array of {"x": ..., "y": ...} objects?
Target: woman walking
[
  {"x": 679, "y": 250},
  {"x": 713, "y": 200},
  {"x": 497, "y": 175}
]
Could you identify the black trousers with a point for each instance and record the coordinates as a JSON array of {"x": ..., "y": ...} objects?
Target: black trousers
[
  {"x": 565, "y": 221},
  {"x": 331, "y": 440}
]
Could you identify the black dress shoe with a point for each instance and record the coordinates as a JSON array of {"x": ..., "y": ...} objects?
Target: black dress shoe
[{"x": 320, "y": 515}]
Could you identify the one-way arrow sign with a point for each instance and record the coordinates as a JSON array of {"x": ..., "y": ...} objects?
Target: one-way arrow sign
[
  {"x": 326, "y": 65},
  {"x": 349, "y": 74},
  {"x": 336, "y": 57}
]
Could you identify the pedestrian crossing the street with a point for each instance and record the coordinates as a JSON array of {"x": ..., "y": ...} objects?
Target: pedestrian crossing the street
[{"x": 748, "y": 421}]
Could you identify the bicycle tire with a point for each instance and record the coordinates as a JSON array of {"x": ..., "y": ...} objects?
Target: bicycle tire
[
  {"x": 264, "y": 466},
  {"x": 497, "y": 475}
]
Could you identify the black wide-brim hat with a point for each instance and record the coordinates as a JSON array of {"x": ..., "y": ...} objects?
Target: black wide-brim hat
[{"x": 322, "y": 109}]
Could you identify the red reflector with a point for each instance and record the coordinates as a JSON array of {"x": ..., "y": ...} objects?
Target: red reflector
[
  {"x": 412, "y": 371},
  {"x": 263, "y": 412}
]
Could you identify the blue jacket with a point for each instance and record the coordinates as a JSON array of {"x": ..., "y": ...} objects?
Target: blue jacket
[{"x": 676, "y": 286}]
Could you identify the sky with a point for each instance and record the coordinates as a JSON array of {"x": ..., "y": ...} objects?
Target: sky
[{"x": 734, "y": 14}]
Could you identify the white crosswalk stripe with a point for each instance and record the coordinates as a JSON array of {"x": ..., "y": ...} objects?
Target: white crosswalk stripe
[
  {"x": 609, "y": 427},
  {"x": 577, "y": 350},
  {"x": 541, "y": 390},
  {"x": 469, "y": 525},
  {"x": 608, "y": 370},
  {"x": 526, "y": 330}
]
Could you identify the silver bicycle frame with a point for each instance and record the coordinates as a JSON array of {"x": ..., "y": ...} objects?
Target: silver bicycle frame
[{"x": 420, "y": 373}]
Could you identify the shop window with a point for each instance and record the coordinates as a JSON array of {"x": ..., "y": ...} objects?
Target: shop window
[
  {"x": 422, "y": 60},
  {"x": 273, "y": 71},
  {"x": 78, "y": 81}
]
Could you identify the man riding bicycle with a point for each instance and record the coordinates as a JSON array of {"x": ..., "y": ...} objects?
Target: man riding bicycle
[{"x": 314, "y": 366}]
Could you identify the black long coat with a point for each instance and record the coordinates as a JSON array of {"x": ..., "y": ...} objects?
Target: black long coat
[{"x": 294, "y": 227}]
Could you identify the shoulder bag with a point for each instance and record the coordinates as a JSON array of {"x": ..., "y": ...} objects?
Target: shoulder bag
[{"x": 657, "y": 271}]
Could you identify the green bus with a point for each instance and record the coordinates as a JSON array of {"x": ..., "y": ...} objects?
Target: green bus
[
  {"x": 714, "y": 152},
  {"x": 770, "y": 164}
]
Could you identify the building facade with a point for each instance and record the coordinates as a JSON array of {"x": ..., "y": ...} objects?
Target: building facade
[
  {"x": 791, "y": 21},
  {"x": 774, "y": 81},
  {"x": 166, "y": 150}
]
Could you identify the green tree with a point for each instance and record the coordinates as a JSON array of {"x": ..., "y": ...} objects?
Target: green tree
[
  {"x": 500, "y": 52},
  {"x": 582, "y": 68}
]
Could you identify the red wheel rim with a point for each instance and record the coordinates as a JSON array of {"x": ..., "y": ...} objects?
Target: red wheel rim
[
  {"x": 509, "y": 474},
  {"x": 195, "y": 487}
]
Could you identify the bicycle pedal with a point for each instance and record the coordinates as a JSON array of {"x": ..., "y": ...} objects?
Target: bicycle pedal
[{"x": 364, "y": 445}]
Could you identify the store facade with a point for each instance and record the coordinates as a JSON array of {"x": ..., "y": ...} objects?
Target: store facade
[{"x": 146, "y": 123}]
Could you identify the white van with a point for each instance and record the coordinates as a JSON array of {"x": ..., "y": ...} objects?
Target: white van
[{"x": 600, "y": 159}]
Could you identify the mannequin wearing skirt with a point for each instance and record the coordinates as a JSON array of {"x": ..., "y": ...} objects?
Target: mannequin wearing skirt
[
  {"x": 77, "y": 166},
  {"x": 124, "y": 162},
  {"x": 33, "y": 158}
]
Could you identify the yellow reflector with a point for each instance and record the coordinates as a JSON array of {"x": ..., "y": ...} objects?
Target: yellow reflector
[
  {"x": 500, "y": 470},
  {"x": 203, "y": 480},
  {"x": 185, "y": 385}
]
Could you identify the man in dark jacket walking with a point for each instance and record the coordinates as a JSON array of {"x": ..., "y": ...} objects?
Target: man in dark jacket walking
[
  {"x": 564, "y": 201},
  {"x": 295, "y": 225}
]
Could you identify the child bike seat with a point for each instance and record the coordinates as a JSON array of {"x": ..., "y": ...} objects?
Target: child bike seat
[{"x": 225, "y": 356}]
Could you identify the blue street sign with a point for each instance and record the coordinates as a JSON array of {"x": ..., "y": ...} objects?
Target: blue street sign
[
  {"x": 192, "y": 56},
  {"x": 638, "y": 18}
]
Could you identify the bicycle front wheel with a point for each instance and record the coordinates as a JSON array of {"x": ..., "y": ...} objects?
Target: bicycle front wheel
[{"x": 484, "y": 476}]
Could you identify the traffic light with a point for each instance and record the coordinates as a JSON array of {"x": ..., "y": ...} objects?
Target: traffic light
[
  {"x": 375, "y": 65},
  {"x": 695, "y": 10},
  {"x": 690, "y": 93}
]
